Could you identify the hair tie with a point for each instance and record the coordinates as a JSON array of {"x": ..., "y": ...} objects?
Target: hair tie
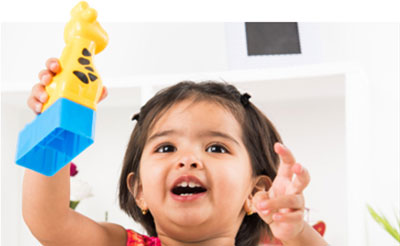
[
  {"x": 135, "y": 117},
  {"x": 244, "y": 99}
]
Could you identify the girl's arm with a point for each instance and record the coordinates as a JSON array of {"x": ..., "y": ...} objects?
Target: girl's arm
[
  {"x": 45, "y": 200},
  {"x": 308, "y": 236},
  {"x": 282, "y": 207},
  {"x": 45, "y": 207}
]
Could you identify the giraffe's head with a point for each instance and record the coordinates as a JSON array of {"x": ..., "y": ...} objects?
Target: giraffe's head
[{"x": 83, "y": 24}]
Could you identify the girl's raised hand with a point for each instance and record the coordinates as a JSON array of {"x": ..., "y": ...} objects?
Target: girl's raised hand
[
  {"x": 282, "y": 206},
  {"x": 39, "y": 95}
]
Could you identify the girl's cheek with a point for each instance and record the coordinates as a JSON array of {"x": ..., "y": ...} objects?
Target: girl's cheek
[
  {"x": 224, "y": 178},
  {"x": 156, "y": 173}
]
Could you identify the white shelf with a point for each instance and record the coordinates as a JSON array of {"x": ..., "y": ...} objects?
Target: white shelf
[{"x": 277, "y": 84}]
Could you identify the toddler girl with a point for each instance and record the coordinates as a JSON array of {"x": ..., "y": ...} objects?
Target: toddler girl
[{"x": 203, "y": 166}]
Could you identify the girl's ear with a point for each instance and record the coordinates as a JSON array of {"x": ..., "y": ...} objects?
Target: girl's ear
[
  {"x": 136, "y": 190},
  {"x": 261, "y": 184}
]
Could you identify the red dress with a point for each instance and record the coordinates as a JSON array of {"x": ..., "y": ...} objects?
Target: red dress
[{"x": 136, "y": 239}]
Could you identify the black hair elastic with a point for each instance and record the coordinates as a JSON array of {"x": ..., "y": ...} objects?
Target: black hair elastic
[
  {"x": 244, "y": 99},
  {"x": 135, "y": 117}
]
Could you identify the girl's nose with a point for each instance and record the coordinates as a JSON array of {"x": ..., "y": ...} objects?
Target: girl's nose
[{"x": 189, "y": 161}]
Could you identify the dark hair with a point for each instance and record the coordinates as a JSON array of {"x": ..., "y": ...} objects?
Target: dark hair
[{"x": 258, "y": 135}]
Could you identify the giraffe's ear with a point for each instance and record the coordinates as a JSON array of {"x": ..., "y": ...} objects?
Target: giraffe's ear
[
  {"x": 89, "y": 15},
  {"x": 79, "y": 8}
]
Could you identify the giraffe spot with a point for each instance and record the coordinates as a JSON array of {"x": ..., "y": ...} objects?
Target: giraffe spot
[
  {"x": 83, "y": 61},
  {"x": 90, "y": 69},
  {"x": 85, "y": 52},
  {"x": 92, "y": 77},
  {"x": 81, "y": 76}
]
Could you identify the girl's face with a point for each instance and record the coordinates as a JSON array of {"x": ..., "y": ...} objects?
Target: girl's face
[{"x": 195, "y": 172}]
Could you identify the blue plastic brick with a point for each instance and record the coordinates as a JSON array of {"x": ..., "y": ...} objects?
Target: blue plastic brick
[{"x": 56, "y": 137}]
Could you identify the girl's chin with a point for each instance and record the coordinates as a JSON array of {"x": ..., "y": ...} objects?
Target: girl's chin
[
  {"x": 185, "y": 228},
  {"x": 189, "y": 217},
  {"x": 190, "y": 211}
]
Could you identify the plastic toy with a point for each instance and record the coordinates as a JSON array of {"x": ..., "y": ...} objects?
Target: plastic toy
[{"x": 67, "y": 123}]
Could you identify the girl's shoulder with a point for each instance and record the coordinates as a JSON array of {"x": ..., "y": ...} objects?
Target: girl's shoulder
[{"x": 136, "y": 239}]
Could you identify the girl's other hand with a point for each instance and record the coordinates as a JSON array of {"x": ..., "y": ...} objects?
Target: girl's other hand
[
  {"x": 282, "y": 207},
  {"x": 39, "y": 95}
]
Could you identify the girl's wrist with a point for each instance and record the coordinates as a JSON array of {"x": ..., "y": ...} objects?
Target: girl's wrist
[{"x": 307, "y": 236}]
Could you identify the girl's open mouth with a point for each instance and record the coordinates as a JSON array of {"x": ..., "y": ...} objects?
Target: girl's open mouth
[{"x": 188, "y": 188}]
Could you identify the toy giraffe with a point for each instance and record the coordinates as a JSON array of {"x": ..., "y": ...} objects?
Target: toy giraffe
[
  {"x": 78, "y": 80},
  {"x": 66, "y": 124}
]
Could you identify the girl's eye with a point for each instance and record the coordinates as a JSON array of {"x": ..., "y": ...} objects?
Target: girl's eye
[
  {"x": 217, "y": 149},
  {"x": 166, "y": 148}
]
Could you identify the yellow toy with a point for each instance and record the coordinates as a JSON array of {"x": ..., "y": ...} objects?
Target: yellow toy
[
  {"x": 66, "y": 125},
  {"x": 79, "y": 80}
]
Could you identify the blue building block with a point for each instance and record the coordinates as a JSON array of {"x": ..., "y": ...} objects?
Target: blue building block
[{"x": 56, "y": 137}]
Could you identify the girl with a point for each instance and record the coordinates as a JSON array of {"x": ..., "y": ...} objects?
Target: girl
[{"x": 203, "y": 166}]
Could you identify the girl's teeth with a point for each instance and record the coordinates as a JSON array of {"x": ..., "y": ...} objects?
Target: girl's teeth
[
  {"x": 190, "y": 184},
  {"x": 186, "y": 194}
]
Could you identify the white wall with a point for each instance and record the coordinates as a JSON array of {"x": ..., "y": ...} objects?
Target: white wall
[
  {"x": 11, "y": 187},
  {"x": 133, "y": 49},
  {"x": 376, "y": 48},
  {"x": 315, "y": 132}
]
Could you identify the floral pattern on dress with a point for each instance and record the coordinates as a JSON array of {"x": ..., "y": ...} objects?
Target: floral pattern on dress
[{"x": 136, "y": 239}]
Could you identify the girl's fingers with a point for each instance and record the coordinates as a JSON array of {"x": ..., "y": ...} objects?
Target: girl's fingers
[
  {"x": 45, "y": 77},
  {"x": 39, "y": 93},
  {"x": 266, "y": 216},
  {"x": 259, "y": 198},
  {"x": 34, "y": 104},
  {"x": 37, "y": 98},
  {"x": 295, "y": 202},
  {"x": 301, "y": 180},
  {"x": 287, "y": 161},
  {"x": 284, "y": 153},
  {"x": 53, "y": 65},
  {"x": 297, "y": 215},
  {"x": 104, "y": 93}
]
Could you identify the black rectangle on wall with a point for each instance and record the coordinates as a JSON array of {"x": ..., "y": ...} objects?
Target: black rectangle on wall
[{"x": 272, "y": 38}]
